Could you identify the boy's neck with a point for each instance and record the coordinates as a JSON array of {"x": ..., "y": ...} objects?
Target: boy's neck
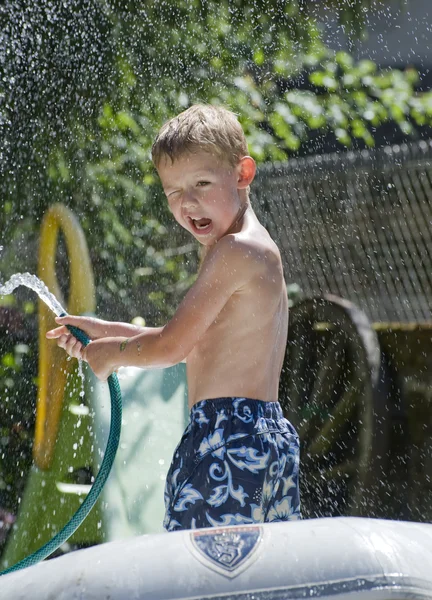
[
  {"x": 239, "y": 217},
  {"x": 241, "y": 213}
]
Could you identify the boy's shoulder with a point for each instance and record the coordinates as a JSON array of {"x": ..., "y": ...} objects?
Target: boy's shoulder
[{"x": 246, "y": 251}]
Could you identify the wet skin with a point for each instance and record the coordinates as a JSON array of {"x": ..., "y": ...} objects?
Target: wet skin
[{"x": 231, "y": 327}]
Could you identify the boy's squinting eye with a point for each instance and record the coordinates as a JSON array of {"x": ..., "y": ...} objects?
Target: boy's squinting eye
[{"x": 203, "y": 183}]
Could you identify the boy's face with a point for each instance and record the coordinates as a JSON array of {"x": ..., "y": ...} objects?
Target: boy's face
[{"x": 203, "y": 194}]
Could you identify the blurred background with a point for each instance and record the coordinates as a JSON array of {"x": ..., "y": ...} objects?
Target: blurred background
[{"x": 335, "y": 100}]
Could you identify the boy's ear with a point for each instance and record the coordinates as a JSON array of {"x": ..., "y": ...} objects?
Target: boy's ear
[{"x": 246, "y": 169}]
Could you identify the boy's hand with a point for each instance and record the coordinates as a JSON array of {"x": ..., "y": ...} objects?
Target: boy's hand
[
  {"x": 94, "y": 328},
  {"x": 64, "y": 337},
  {"x": 99, "y": 355}
]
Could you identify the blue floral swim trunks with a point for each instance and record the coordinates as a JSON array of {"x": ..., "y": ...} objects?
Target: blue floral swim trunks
[{"x": 237, "y": 463}]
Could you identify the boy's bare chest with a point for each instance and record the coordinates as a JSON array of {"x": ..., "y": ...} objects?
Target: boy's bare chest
[
  {"x": 245, "y": 322},
  {"x": 240, "y": 354}
]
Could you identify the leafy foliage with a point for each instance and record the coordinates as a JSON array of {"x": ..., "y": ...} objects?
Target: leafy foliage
[
  {"x": 85, "y": 85},
  {"x": 119, "y": 198},
  {"x": 92, "y": 81}
]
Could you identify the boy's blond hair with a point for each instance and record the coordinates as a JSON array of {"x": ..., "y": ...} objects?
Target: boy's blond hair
[{"x": 202, "y": 127}]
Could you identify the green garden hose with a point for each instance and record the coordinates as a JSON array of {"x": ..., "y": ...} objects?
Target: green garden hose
[{"x": 102, "y": 476}]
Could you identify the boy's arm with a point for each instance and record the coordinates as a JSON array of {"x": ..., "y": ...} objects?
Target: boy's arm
[
  {"x": 226, "y": 269},
  {"x": 117, "y": 329},
  {"x": 101, "y": 340},
  {"x": 97, "y": 328}
]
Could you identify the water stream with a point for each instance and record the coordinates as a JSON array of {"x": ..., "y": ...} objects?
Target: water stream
[{"x": 38, "y": 286}]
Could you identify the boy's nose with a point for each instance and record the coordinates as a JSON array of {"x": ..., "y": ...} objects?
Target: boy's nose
[{"x": 189, "y": 199}]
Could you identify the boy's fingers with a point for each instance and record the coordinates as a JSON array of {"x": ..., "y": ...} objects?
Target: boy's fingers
[
  {"x": 71, "y": 320},
  {"x": 57, "y": 332},
  {"x": 72, "y": 346}
]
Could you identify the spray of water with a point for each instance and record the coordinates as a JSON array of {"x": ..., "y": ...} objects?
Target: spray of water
[
  {"x": 32, "y": 282},
  {"x": 38, "y": 286}
]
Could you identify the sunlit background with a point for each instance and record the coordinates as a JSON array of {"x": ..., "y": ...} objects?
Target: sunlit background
[{"x": 335, "y": 100}]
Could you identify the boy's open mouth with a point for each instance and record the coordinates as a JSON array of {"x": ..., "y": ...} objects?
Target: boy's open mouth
[{"x": 201, "y": 225}]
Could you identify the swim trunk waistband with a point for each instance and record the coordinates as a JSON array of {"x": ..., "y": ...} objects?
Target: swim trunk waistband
[{"x": 244, "y": 408}]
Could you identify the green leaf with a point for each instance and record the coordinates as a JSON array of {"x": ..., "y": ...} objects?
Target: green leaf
[
  {"x": 366, "y": 67},
  {"x": 259, "y": 57},
  {"x": 8, "y": 360},
  {"x": 317, "y": 78},
  {"x": 343, "y": 136},
  {"x": 344, "y": 60}
]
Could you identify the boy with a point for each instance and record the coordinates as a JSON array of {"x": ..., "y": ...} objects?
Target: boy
[{"x": 238, "y": 460}]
